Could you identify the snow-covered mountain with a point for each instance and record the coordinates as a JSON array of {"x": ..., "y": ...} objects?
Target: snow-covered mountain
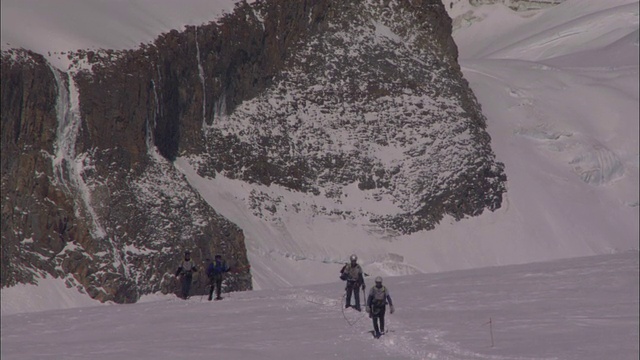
[
  {"x": 559, "y": 90},
  {"x": 316, "y": 102},
  {"x": 567, "y": 134}
]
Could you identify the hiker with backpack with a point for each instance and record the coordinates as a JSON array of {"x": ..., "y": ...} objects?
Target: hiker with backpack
[
  {"x": 214, "y": 272},
  {"x": 376, "y": 306},
  {"x": 354, "y": 276},
  {"x": 185, "y": 274}
]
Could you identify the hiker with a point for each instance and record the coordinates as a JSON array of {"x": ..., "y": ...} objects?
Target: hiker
[
  {"x": 353, "y": 275},
  {"x": 185, "y": 272},
  {"x": 376, "y": 306},
  {"x": 214, "y": 272}
]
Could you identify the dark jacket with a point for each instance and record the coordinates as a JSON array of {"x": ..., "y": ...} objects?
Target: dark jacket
[{"x": 217, "y": 268}]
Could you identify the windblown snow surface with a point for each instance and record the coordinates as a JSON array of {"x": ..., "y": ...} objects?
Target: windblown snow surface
[
  {"x": 559, "y": 88},
  {"x": 581, "y": 308}
]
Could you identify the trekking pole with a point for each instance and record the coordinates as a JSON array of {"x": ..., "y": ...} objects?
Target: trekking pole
[
  {"x": 364, "y": 297},
  {"x": 490, "y": 323}
]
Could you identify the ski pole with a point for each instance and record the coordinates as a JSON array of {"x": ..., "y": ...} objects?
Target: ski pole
[
  {"x": 364, "y": 297},
  {"x": 490, "y": 323}
]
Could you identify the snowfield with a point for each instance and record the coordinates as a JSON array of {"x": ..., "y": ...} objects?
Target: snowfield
[
  {"x": 559, "y": 88},
  {"x": 580, "y": 309}
]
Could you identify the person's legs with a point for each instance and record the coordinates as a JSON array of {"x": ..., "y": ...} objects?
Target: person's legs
[
  {"x": 349, "y": 291},
  {"x": 376, "y": 329},
  {"x": 183, "y": 282},
  {"x": 381, "y": 315},
  {"x": 219, "y": 288},
  {"x": 186, "y": 286},
  {"x": 211, "y": 285},
  {"x": 356, "y": 294}
]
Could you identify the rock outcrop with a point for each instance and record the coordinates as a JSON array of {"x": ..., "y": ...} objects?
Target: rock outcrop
[
  {"x": 85, "y": 194},
  {"x": 309, "y": 95}
]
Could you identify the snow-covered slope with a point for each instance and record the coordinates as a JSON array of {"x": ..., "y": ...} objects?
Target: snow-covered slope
[
  {"x": 64, "y": 25},
  {"x": 577, "y": 309},
  {"x": 497, "y": 32},
  {"x": 559, "y": 88},
  {"x": 567, "y": 135}
]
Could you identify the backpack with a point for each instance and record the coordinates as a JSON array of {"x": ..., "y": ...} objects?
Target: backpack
[
  {"x": 379, "y": 296},
  {"x": 344, "y": 275},
  {"x": 350, "y": 273},
  {"x": 217, "y": 268}
]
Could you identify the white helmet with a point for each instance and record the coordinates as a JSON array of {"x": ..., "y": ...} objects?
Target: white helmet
[
  {"x": 353, "y": 258},
  {"x": 378, "y": 280}
]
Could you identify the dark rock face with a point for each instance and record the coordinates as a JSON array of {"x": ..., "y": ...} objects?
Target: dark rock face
[
  {"x": 386, "y": 73},
  {"x": 37, "y": 217},
  {"x": 88, "y": 200},
  {"x": 303, "y": 94}
]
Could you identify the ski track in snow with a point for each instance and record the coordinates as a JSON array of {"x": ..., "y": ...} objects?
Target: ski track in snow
[{"x": 399, "y": 341}]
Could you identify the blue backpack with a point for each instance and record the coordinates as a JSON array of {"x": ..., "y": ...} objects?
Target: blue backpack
[{"x": 217, "y": 267}]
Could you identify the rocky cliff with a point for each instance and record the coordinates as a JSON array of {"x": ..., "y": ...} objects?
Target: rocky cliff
[
  {"x": 310, "y": 95},
  {"x": 86, "y": 196}
]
